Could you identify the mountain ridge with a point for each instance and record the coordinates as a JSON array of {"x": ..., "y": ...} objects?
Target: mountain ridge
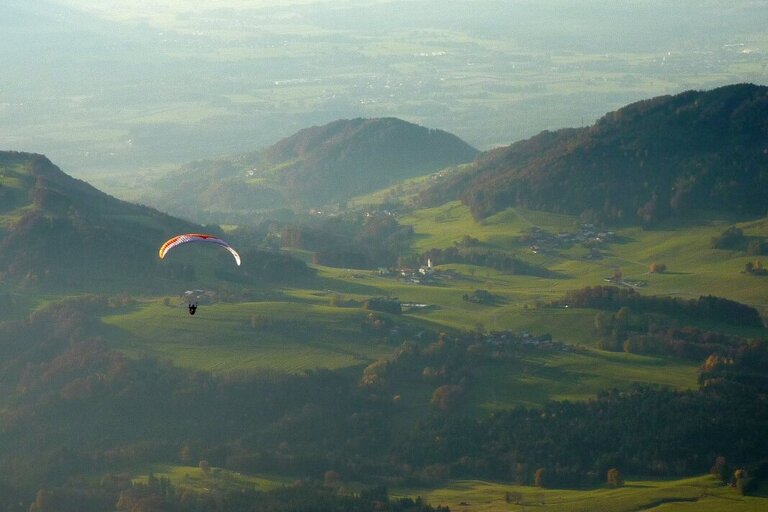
[
  {"x": 56, "y": 230},
  {"x": 316, "y": 166},
  {"x": 640, "y": 164}
]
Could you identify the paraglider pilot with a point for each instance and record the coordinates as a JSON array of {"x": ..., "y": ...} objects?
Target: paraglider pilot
[{"x": 192, "y": 308}]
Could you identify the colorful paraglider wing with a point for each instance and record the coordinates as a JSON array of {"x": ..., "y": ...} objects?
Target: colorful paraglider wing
[{"x": 196, "y": 238}]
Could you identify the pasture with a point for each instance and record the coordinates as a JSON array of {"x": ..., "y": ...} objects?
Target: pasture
[
  {"x": 699, "y": 494},
  {"x": 233, "y": 337},
  {"x": 195, "y": 479},
  {"x": 694, "y": 268}
]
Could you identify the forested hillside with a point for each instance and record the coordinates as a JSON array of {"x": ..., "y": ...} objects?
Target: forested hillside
[
  {"x": 640, "y": 164},
  {"x": 59, "y": 232},
  {"x": 312, "y": 168}
]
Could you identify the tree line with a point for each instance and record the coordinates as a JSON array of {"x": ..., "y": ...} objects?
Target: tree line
[{"x": 708, "y": 307}]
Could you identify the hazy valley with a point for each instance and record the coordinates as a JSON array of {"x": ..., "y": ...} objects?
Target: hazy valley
[{"x": 437, "y": 307}]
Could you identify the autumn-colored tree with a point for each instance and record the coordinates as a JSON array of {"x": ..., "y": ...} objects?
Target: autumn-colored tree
[
  {"x": 539, "y": 478},
  {"x": 185, "y": 454},
  {"x": 743, "y": 481},
  {"x": 614, "y": 478},
  {"x": 720, "y": 469},
  {"x": 331, "y": 479},
  {"x": 447, "y": 397},
  {"x": 658, "y": 268},
  {"x": 603, "y": 322}
]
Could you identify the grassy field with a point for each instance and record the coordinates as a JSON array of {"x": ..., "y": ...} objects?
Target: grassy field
[
  {"x": 542, "y": 376},
  {"x": 303, "y": 336},
  {"x": 193, "y": 478},
  {"x": 221, "y": 337},
  {"x": 701, "y": 494},
  {"x": 694, "y": 268}
]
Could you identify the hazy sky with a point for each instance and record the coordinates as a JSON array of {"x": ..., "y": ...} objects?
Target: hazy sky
[{"x": 118, "y": 86}]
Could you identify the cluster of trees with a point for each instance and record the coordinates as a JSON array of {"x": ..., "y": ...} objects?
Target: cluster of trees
[
  {"x": 159, "y": 494},
  {"x": 733, "y": 238},
  {"x": 628, "y": 331},
  {"x": 350, "y": 241},
  {"x": 265, "y": 266},
  {"x": 755, "y": 268},
  {"x": 716, "y": 309},
  {"x": 387, "y": 304},
  {"x": 481, "y": 296},
  {"x": 448, "y": 361}
]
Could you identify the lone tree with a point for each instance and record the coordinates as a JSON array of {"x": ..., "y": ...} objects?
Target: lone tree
[
  {"x": 720, "y": 468},
  {"x": 614, "y": 478},
  {"x": 331, "y": 479}
]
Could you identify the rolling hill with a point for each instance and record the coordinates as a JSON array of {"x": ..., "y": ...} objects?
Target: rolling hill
[
  {"x": 315, "y": 167},
  {"x": 58, "y": 231},
  {"x": 640, "y": 164}
]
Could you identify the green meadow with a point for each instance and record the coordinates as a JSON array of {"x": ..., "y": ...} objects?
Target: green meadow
[
  {"x": 231, "y": 337},
  {"x": 221, "y": 338},
  {"x": 195, "y": 479},
  {"x": 693, "y": 267},
  {"x": 700, "y": 494}
]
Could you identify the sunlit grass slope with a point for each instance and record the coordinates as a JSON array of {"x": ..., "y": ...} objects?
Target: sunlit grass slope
[
  {"x": 193, "y": 478},
  {"x": 699, "y": 494},
  {"x": 222, "y": 337},
  {"x": 305, "y": 335},
  {"x": 693, "y": 267},
  {"x": 541, "y": 376},
  {"x": 702, "y": 494}
]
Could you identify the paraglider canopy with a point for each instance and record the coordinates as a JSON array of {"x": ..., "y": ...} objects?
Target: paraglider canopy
[{"x": 196, "y": 238}]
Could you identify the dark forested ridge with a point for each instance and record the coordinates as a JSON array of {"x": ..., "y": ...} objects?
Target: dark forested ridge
[
  {"x": 314, "y": 167},
  {"x": 58, "y": 230},
  {"x": 640, "y": 164}
]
